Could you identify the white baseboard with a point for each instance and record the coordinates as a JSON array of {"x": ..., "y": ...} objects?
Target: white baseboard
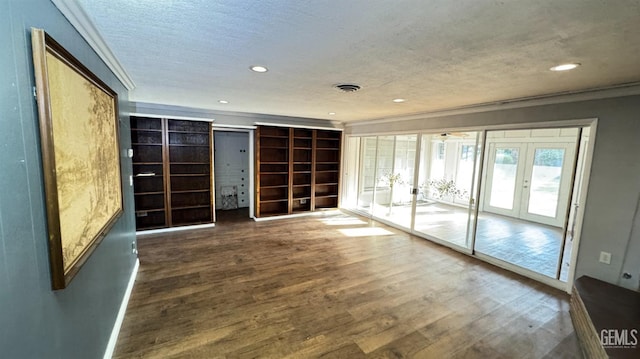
[
  {"x": 296, "y": 215},
  {"x": 111, "y": 345},
  {"x": 175, "y": 229}
]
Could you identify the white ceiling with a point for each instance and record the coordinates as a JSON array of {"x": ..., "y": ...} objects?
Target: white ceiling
[{"x": 437, "y": 54}]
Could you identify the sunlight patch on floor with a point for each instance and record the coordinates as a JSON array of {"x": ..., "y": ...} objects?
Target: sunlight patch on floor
[
  {"x": 365, "y": 231},
  {"x": 342, "y": 221}
]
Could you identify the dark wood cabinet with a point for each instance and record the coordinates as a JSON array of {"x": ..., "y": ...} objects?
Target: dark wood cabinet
[
  {"x": 172, "y": 172},
  {"x": 297, "y": 170}
]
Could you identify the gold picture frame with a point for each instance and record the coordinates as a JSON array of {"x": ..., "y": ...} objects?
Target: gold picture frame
[{"x": 79, "y": 139}]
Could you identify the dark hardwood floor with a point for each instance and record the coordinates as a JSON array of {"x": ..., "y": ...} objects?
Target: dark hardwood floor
[
  {"x": 224, "y": 217},
  {"x": 333, "y": 286}
]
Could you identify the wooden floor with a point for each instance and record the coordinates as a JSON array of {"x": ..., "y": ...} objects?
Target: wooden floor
[{"x": 333, "y": 286}]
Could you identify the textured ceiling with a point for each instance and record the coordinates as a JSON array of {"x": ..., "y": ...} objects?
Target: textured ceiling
[{"x": 437, "y": 54}]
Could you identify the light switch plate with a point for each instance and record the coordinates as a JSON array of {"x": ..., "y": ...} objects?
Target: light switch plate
[
  {"x": 605, "y": 257},
  {"x": 130, "y": 152}
]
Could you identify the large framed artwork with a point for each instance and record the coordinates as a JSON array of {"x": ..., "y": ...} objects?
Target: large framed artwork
[{"x": 80, "y": 156}]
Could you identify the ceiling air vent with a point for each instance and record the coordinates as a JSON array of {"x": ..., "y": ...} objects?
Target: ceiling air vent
[{"x": 347, "y": 87}]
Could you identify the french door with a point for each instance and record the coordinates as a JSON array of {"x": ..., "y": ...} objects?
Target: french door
[{"x": 530, "y": 181}]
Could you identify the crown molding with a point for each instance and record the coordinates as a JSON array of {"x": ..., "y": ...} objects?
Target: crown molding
[
  {"x": 171, "y": 111},
  {"x": 77, "y": 16},
  {"x": 621, "y": 90}
]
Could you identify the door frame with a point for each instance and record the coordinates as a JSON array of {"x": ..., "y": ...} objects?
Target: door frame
[
  {"x": 251, "y": 131},
  {"x": 591, "y": 122}
]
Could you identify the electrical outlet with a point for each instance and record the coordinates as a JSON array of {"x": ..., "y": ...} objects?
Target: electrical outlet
[{"x": 605, "y": 257}]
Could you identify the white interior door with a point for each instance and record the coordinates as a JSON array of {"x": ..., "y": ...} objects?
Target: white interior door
[{"x": 530, "y": 181}]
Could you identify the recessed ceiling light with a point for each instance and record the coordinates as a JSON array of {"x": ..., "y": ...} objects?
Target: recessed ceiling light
[
  {"x": 332, "y": 113},
  {"x": 399, "y": 100},
  {"x": 565, "y": 67},
  {"x": 259, "y": 68},
  {"x": 223, "y": 101}
]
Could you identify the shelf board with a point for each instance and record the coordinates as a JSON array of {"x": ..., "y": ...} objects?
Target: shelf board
[
  {"x": 299, "y": 198},
  {"x": 150, "y": 210},
  {"x": 301, "y": 172},
  {"x": 273, "y": 163},
  {"x": 174, "y": 208},
  {"x": 274, "y": 200},
  {"x": 327, "y": 149},
  {"x": 327, "y": 163},
  {"x": 326, "y": 171},
  {"x": 272, "y": 136},
  {"x": 191, "y": 191},
  {"x": 275, "y": 186},
  {"x": 145, "y": 144},
  {"x": 274, "y": 147},
  {"x": 181, "y": 131},
  {"x": 148, "y": 193},
  {"x": 186, "y": 145},
  {"x": 302, "y": 185},
  {"x": 328, "y": 138},
  {"x": 137, "y": 176},
  {"x": 326, "y": 183},
  {"x": 302, "y": 148},
  {"x": 274, "y": 173},
  {"x": 302, "y": 162},
  {"x": 326, "y": 196},
  {"x": 146, "y": 129},
  {"x": 147, "y": 163}
]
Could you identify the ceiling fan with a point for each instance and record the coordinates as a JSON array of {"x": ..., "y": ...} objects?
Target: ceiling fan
[{"x": 446, "y": 135}]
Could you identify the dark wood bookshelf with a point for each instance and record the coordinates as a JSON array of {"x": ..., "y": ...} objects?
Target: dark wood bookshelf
[
  {"x": 172, "y": 172},
  {"x": 297, "y": 170},
  {"x": 327, "y": 146}
]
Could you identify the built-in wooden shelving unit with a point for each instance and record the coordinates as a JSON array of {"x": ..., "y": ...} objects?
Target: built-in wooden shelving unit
[
  {"x": 172, "y": 172},
  {"x": 297, "y": 170}
]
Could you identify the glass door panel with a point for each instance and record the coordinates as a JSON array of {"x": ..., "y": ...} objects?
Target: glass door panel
[
  {"x": 367, "y": 175},
  {"x": 401, "y": 180},
  {"x": 545, "y": 181},
  {"x": 445, "y": 180},
  {"x": 351, "y": 166},
  {"x": 504, "y": 173},
  {"x": 384, "y": 176}
]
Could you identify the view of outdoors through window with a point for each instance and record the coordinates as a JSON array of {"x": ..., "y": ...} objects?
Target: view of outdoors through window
[{"x": 428, "y": 184}]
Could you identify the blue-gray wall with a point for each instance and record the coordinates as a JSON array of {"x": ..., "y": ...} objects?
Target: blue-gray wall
[{"x": 36, "y": 322}]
